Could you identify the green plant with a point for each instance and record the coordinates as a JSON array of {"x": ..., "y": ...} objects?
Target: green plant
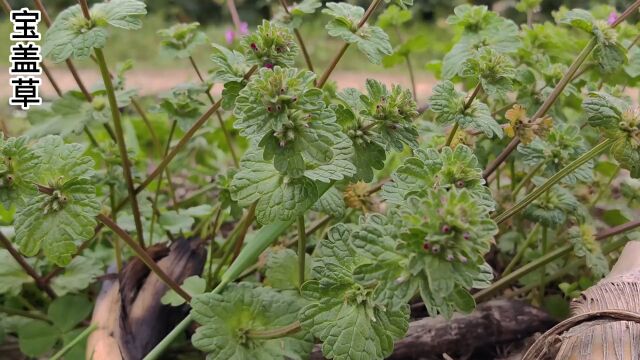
[{"x": 289, "y": 148}]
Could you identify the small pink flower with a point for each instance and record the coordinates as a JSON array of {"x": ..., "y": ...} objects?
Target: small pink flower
[
  {"x": 229, "y": 35},
  {"x": 268, "y": 65},
  {"x": 613, "y": 17},
  {"x": 244, "y": 28}
]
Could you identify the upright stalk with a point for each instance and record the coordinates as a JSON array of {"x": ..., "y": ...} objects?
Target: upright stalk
[
  {"x": 302, "y": 240},
  {"x": 227, "y": 136},
  {"x": 604, "y": 145},
  {"x": 144, "y": 257},
  {"x": 467, "y": 104},
  {"x": 154, "y": 204},
  {"x": 83, "y": 335},
  {"x": 325, "y": 76},
  {"x": 40, "y": 283},
  {"x": 546, "y": 105},
  {"x": 122, "y": 147},
  {"x": 526, "y": 179},
  {"x": 296, "y": 32},
  {"x": 521, "y": 250}
]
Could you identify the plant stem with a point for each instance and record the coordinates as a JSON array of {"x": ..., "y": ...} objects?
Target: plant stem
[
  {"x": 40, "y": 283},
  {"x": 606, "y": 249},
  {"x": 549, "y": 257},
  {"x": 74, "y": 342},
  {"x": 49, "y": 76},
  {"x": 184, "y": 140},
  {"x": 144, "y": 256},
  {"x": 543, "y": 274},
  {"x": 467, "y": 104},
  {"x": 275, "y": 333},
  {"x": 122, "y": 147},
  {"x": 227, "y": 136},
  {"x": 526, "y": 179},
  {"x": 302, "y": 240},
  {"x": 602, "y": 146},
  {"x": 521, "y": 251},
  {"x": 296, "y": 32},
  {"x": 325, "y": 76},
  {"x": 159, "y": 184},
  {"x": 216, "y": 223},
  {"x": 542, "y": 110},
  {"x": 604, "y": 188},
  {"x": 116, "y": 240},
  {"x": 157, "y": 351},
  {"x": 244, "y": 227},
  {"x": 231, "y": 5},
  {"x": 23, "y": 313}
]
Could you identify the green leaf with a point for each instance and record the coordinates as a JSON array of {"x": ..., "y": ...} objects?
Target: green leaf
[
  {"x": 12, "y": 276},
  {"x": 494, "y": 71},
  {"x": 371, "y": 40},
  {"x": 18, "y": 169},
  {"x": 481, "y": 28},
  {"x": 449, "y": 106},
  {"x": 562, "y": 145},
  {"x": 279, "y": 197},
  {"x": 228, "y": 318},
  {"x": 37, "y": 337},
  {"x": 429, "y": 169},
  {"x": 552, "y": 208},
  {"x": 344, "y": 314},
  {"x": 68, "y": 311},
  {"x": 331, "y": 203},
  {"x": 181, "y": 40},
  {"x": 585, "y": 245},
  {"x": 58, "y": 221},
  {"x": 393, "y": 16},
  {"x": 176, "y": 223},
  {"x": 617, "y": 120},
  {"x": 633, "y": 65},
  {"x": 71, "y": 35},
  {"x": 193, "y": 285},
  {"x": 60, "y": 162},
  {"x": 293, "y": 18},
  {"x": 580, "y": 19},
  {"x": 282, "y": 269},
  {"x": 81, "y": 272},
  {"x": 610, "y": 57},
  {"x": 230, "y": 65},
  {"x": 271, "y": 45},
  {"x": 182, "y": 104}
]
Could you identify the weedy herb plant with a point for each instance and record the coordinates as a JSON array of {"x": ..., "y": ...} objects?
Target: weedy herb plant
[{"x": 501, "y": 178}]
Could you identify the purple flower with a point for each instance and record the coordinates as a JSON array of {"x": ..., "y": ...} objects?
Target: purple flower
[
  {"x": 244, "y": 28},
  {"x": 613, "y": 17},
  {"x": 268, "y": 65},
  {"x": 229, "y": 35}
]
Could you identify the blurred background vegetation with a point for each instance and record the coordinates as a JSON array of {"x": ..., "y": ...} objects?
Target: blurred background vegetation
[{"x": 142, "y": 46}]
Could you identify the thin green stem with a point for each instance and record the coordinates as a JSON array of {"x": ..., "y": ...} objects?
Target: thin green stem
[
  {"x": 526, "y": 179},
  {"x": 296, "y": 32},
  {"x": 83, "y": 335},
  {"x": 116, "y": 240},
  {"x": 144, "y": 257},
  {"x": 227, "y": 136},
  {"x": 543, "y": 273},
  {"x": 183, "y": 141},
  {"x": 572, "y": 266},
  {"x": 325, "y": 76},
  {"x": 154, "y": 205},
  {"x": 23, "y": 313},
  {"x": 549, "y": 257},
  {"x": 216, "y": 223},
  {"x": 160, "y": 348},
  {"x": 302, "y": 243},
  {"x": 604, "y": 188},
  {"x": 275, "y": 333},
  {"x": 122, "y": 147},
  {"x": 602, "y": 146},
  {"x": 546, "y": 105},
  {"x": 40, "y": 283},
  {"x": 516, "y": 259},
  {"x": 467, "y": 104}
]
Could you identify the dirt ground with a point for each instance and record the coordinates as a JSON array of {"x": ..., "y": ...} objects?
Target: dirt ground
[{"x": 157, "y": 81}]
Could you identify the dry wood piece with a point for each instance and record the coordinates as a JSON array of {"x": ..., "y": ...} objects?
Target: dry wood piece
[
  {"x": 606, "y": 321},
  {"x": 492, "y": 323},
  {"x": 130, "y": 318}
]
